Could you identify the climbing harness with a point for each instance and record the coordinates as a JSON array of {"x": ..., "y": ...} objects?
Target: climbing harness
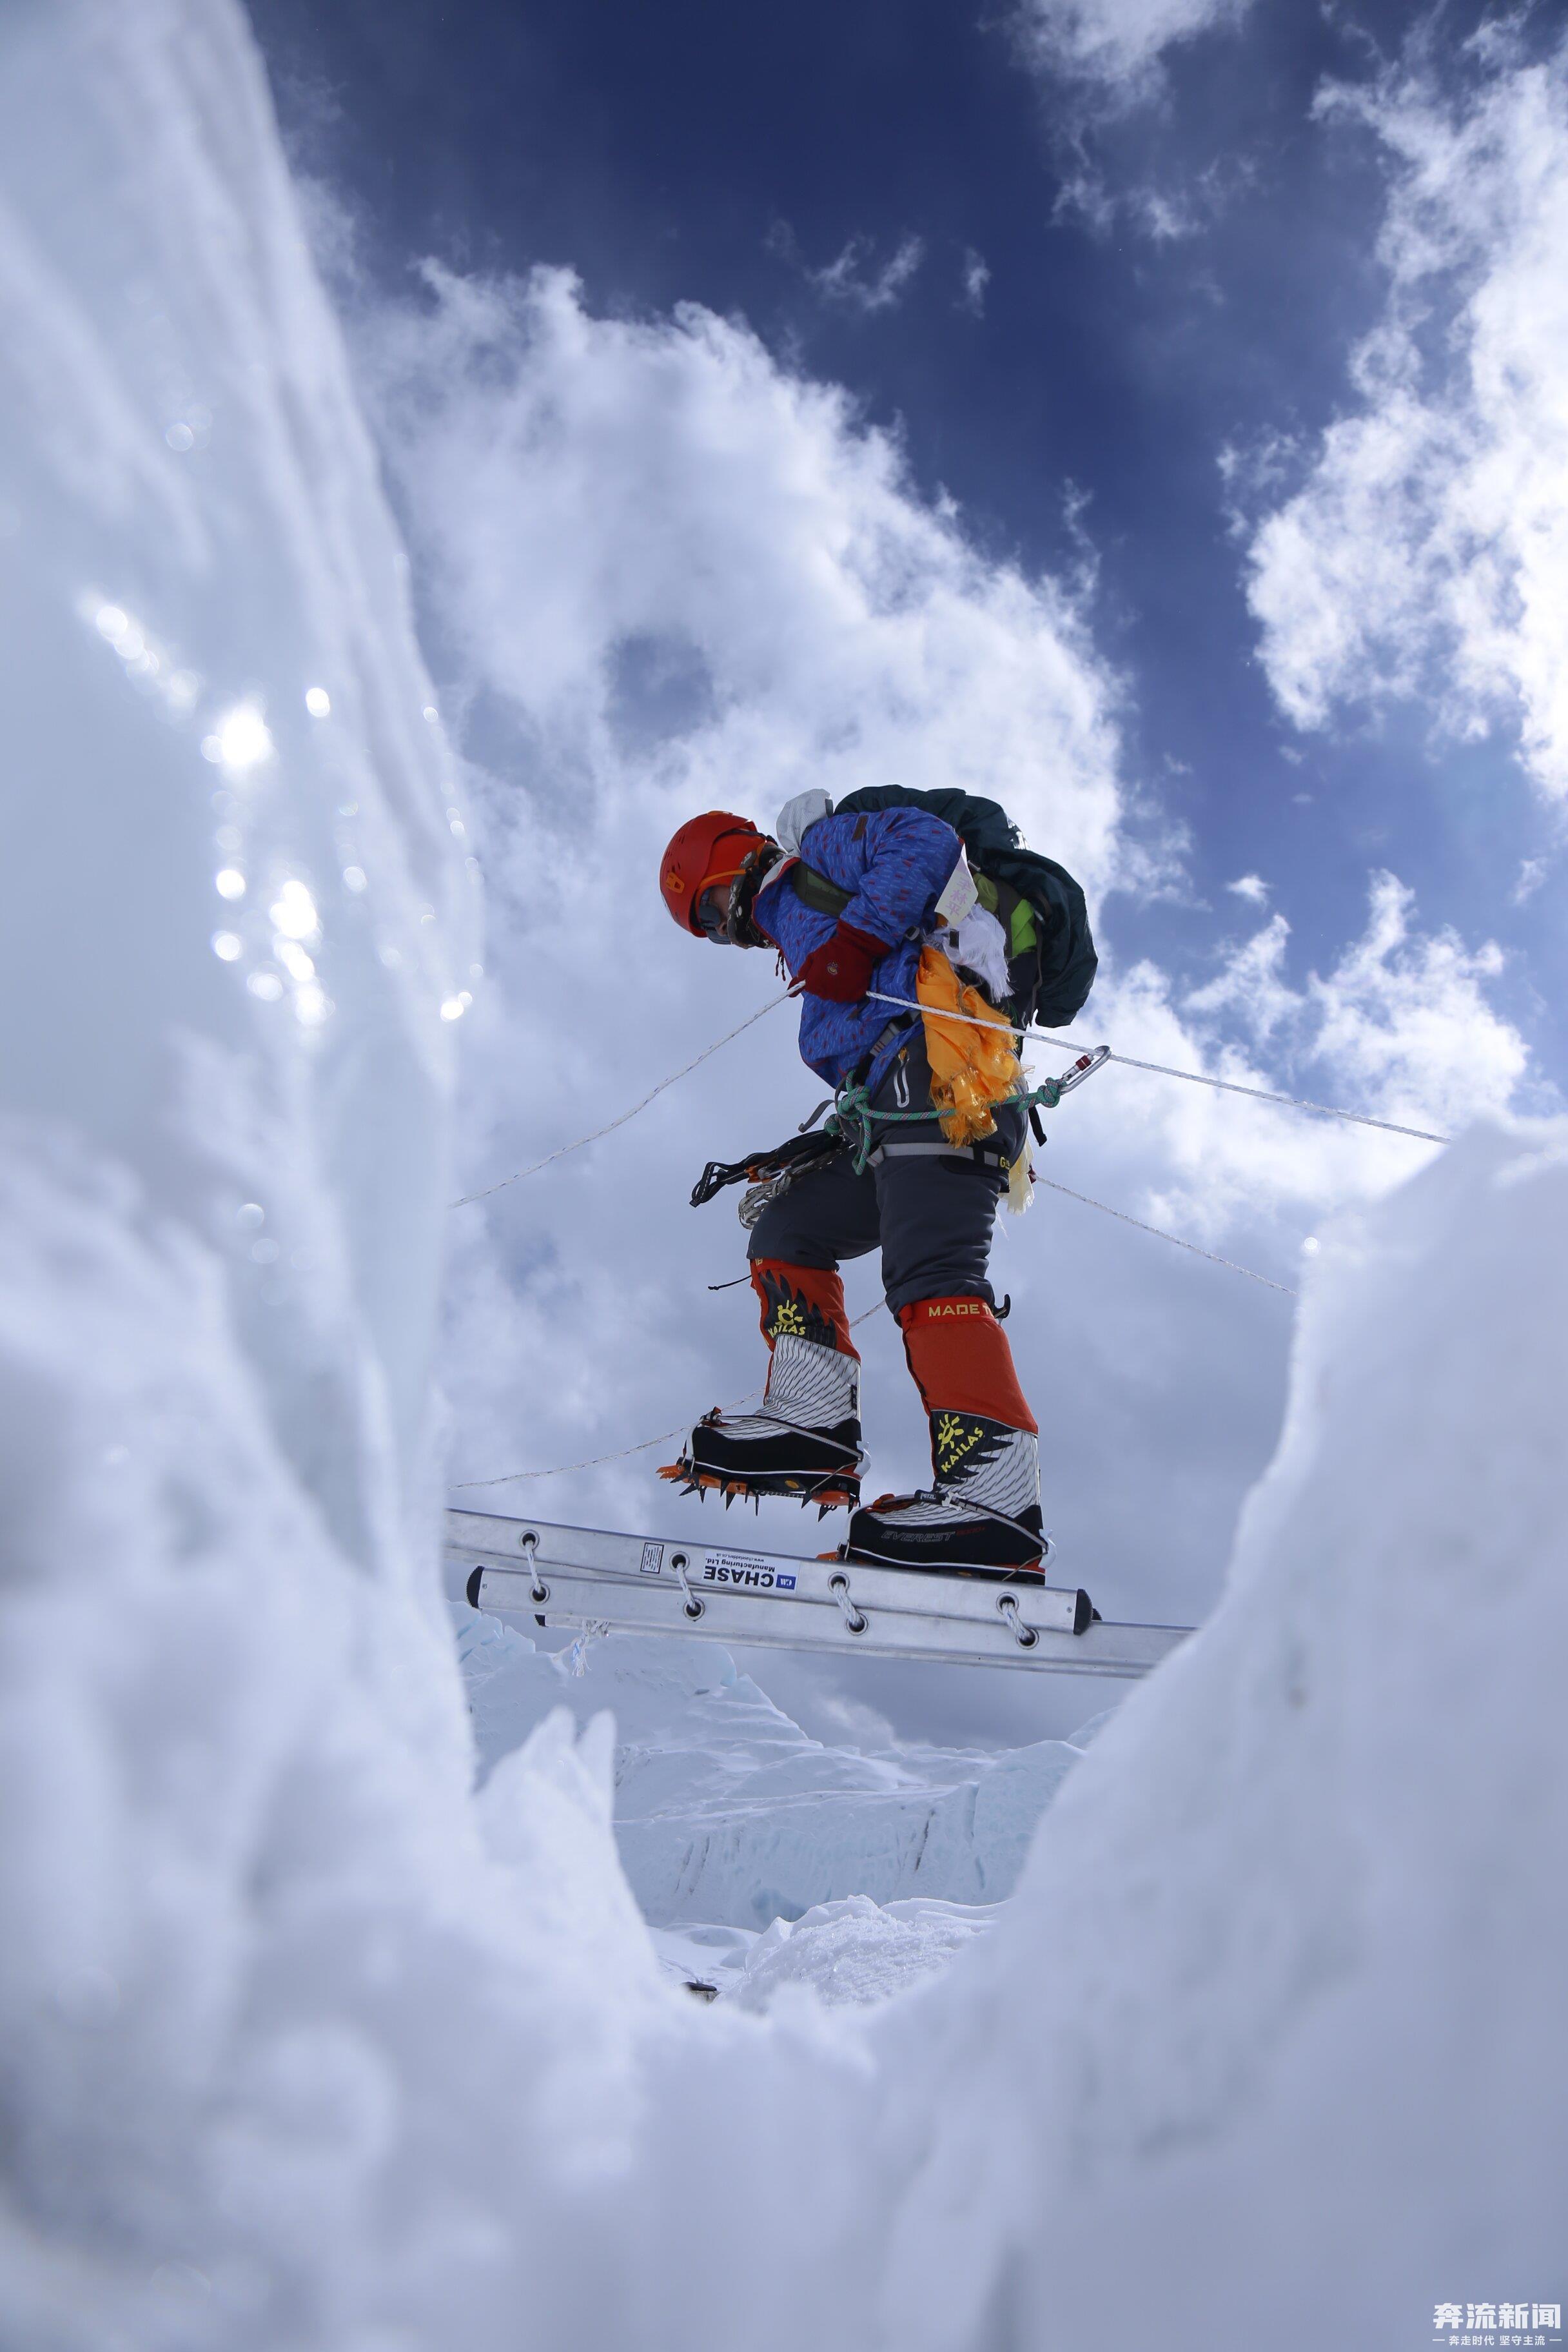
[{"x": 856, "y": 1121}]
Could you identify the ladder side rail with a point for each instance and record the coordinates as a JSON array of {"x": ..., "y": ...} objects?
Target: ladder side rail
[
  {"x": 765, "y": 1621},
  {"x": 637, "y": 1558},
  {"x": 831, "y": 1586}
]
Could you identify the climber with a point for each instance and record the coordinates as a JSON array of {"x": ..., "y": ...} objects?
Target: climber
[{"x": 882, "y": 898}]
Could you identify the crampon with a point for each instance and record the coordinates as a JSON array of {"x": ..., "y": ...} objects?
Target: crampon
[{"x": 830, "y": 1491}]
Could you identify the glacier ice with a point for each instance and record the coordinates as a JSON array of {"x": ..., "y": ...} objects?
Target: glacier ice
[
  {"x": 1292, "y": 1930},
  {"x": 303, "y": 2043},
  {"x": 857, "y": 1950},
  {"x": 849, "y": 1950},
  {"x": 727, "y": 1811}
]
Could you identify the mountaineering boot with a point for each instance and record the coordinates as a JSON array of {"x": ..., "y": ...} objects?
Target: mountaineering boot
[
  {"x": 982, "y": 1512},
  {"x": 805, "y": 1440}
]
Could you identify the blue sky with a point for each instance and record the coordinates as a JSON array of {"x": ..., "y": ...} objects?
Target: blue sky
[{"x": 1045, "y": 318}]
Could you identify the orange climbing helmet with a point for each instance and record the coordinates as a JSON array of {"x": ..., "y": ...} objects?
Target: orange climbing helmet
[{"x": 709, "y": 848}]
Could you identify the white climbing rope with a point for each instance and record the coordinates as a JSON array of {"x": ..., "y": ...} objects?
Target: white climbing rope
[
  {"x": 563, "y": 1149},
  {"x": 1261, "y": 1094},
  {"x": 510, "y": 1477},
  {"x": 1160, "y": 1235},
  {"x": 908, "y": 1004},
  {"x": 1195, "y": 1078}
]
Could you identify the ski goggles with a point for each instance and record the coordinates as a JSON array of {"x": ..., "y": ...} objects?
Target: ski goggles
[{"x": 711, "y": 912}]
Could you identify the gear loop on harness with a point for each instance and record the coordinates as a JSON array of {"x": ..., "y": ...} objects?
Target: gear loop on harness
[{"x": 855, "y": 1619}]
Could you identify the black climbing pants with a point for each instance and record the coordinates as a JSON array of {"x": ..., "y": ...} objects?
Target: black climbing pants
[{"x": 929, "y": 1208}]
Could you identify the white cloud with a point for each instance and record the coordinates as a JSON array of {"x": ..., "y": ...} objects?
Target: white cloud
[
  {"x": 1117, "y": 43},
  {"x": 852, "y": 280},
  {"x": 1426, "y": 556},
  {"x": 1400, "y": 1026},
  {"x": 687, "y": 576},
  {"x": 1251, "y": 886},
  {"x": 1165, "y": 216},
  {"x": 976, "y": 278}
]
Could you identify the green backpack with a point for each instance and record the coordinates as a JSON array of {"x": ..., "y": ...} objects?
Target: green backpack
[{"x": 1050, "y": 954}]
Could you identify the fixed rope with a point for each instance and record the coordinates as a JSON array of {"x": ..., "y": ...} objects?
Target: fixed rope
[
  {"x": 1160, "y": 1235},
  {"x": 1193, "y": 1078},
  {"x": 511, "y": 1477},
  {"x": 1262, "y": 1093},
  {"x": 622, "y": 1454},
  {"x": 685, "y": 1071},
  {"x": 908, "y": 1004}
]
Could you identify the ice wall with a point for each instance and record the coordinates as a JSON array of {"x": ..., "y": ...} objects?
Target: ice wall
[
  {"x": 1270, "y": 2047},
  {"x": 233, "y": 904},
  {"x": 298, "y": 2045},
  {"x": 247, "y": 1906}
]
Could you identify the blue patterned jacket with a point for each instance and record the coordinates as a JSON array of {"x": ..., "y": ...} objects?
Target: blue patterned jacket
[{"x": 894, "y": 864}]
